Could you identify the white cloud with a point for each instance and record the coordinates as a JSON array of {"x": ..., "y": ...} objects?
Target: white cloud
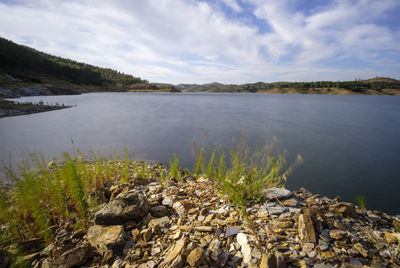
[
  {"x": 192, "y": 41},
  {"x": 233, "y": 4}
]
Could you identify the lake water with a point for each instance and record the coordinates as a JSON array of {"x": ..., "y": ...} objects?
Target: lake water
[{"x": 350, "y": 144}]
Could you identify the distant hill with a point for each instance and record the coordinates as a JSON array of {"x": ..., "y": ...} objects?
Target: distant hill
[
  {"x": 381, "y": 79},
  {"x": 25, "y": 64},
  {"x": 375, "y": 86}
]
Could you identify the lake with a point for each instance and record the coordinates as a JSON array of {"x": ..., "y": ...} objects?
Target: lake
[{"x": 350, "y": 144}]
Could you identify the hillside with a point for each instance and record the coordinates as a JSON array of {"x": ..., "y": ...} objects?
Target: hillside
[
  {"x": 22, "y": 66},
  {"x": 375, "y": 86}
]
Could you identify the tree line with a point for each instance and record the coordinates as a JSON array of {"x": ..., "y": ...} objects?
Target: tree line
[{"x": 24, "y": 60}]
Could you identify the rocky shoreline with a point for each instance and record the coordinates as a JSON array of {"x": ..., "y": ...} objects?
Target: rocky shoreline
[
  {"x": 189, "y": 224},
  {"x": 9, "y": 108}
]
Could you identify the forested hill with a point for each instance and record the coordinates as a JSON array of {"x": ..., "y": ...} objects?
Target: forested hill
[
  {"x": 31, "y": 65},
  {"x": 375, "y": 86}
]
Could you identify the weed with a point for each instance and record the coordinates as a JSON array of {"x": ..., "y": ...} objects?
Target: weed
[
  {"x": 247, "y": 173},
  {"x": 174, "y": 167},
  {"x": 361, "y": 202}
]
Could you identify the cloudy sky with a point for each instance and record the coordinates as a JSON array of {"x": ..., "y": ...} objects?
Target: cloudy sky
[{"x": 229, "y": 41}]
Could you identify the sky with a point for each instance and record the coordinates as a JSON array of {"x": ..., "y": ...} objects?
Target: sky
[{"x": 227, "y": 41}]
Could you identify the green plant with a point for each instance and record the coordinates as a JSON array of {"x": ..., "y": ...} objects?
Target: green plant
[
  {"x": 174, "y": 167},
  {"x": 361, "y": 202},
  {"x": 248, "y": 173},
  {"x": 199, "y": 166}
]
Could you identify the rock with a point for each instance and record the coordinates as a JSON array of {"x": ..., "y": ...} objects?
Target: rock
[
  {"x": 322, "y": 245},
  {"x": 336, "y": 234},
  {"x": 159, "y": 222},
  {"x": 203, "y": 228},
  {"x": 361, "y": 250},
  {"x": 343, "y": 209},
  {"x": 246, "y": 249},
  {"x": 278, "y": 193},
  {"x": 233, "y": 230},
  {"x": 290, "y": 202},
  {"x": 241, "y": 238},
  {"x": 246, "y": 252},
  {"x": 147, "y": 234},
  {"x": 256, "y": 253},
  {"x": 276, "y": 210},
  {"x": 155, "y": 251},
  {"x": 135, "y": 235},
  {"x": 322, "y": 265},
  {"x": 196, "y": 257},
  {"x": 172, "y": 254},
  {"x": 328, "y": 254},
  {"x": 268, "y": 261},
  {"x": 159, "y": 211},
  {"x": 392, "y": 237},
  {"x": 308, "y": 247},
  {"x": 127, "y": 206},
  {"x": 179, "y": 208},
  {"x": 106, "y": 238},
  {"x": 306, "y": 228},
  {"x": 168, "y": 201},
  {"x": 178, "y": 262},
  {"x": 74, "y": 257}
]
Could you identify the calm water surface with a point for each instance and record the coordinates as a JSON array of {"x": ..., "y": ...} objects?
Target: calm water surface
[{"x": 350, "y": 144}]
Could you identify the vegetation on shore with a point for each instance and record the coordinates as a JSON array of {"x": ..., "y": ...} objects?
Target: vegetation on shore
[{"x": 69, "y": 189}]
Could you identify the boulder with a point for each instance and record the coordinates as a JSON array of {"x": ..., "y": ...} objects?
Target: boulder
[
  {"x": 106, "y": 238},
  {"x": 127, "y": 206}
]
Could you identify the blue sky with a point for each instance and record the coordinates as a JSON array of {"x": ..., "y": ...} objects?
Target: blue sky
[{"x": 228, "y": 41}]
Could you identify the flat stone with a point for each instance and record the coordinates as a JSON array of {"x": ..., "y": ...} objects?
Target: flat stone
[
  {"x": 336, "y": 234},
  {"x": 290, "y": 202},
  {"x": 196, "y": 257},
  {"x": 233, "y": 230},
  {"x": 159, "y": 211},
  {"x": 322, "y": 265},
  {"x": 361, "y": 250},
  {"x": 179, "y": 208},
  {"x": 147, "y": 234},
  {"x": 308, "y": 247},
  {"x": 328, "y": 254},
  {"x": 323, "y": 245},
  {"x": 159, "y": 222},
  {"x": 392, "y": 237},
  {"x": 175, "y": 252},
  {"x": 278, "y": 193},
  {"x": 203, "y": 228},
  {"x": 276, "y": 210},
  {"x": 135, "y": 235},
  {"x": 155, "y": 251},
  {"x": 256, "y": 253},
  {"x": 106, "y": 238},
  {"x": 168, "y": 201}
]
